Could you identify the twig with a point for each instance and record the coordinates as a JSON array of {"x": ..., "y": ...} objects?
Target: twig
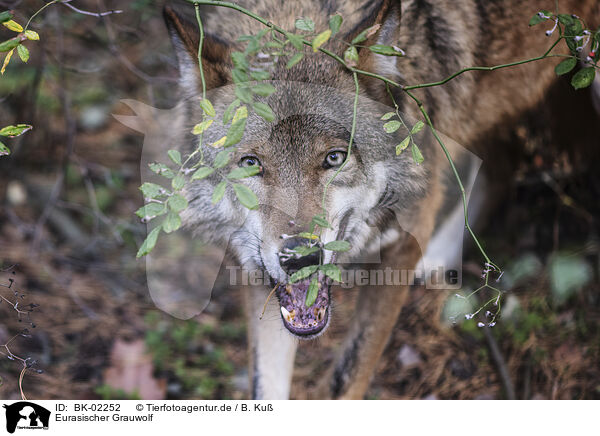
[
  {"x": 114, "y": 49},
  {"x": 509, "y": 387},
  {"x": 70, "y": 129},
  {"x": 23, "y": 397},
  {"x": 68, "y": 4}
]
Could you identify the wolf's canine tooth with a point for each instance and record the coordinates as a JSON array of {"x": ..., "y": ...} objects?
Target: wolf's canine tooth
[
  {"x": 286, "y": 314},
  {"x": 320, "y": 314}
]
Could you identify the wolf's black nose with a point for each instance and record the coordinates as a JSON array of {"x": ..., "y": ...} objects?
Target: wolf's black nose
[{"x": 290, "y": 257}]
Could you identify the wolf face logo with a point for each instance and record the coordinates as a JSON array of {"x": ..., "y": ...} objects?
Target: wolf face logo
[
  {"x": 26, "y": 415},
  {"x": 392, "y": 211}
]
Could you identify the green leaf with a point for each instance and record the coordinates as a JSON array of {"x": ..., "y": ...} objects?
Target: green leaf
[
  {"x": 178, "y": 182},
  {"x": 239, "y": 61},
  {"x": 175, "y": 156},
  {"x": 202, "y": 173},
  {"x": 151, "y": 190},
  {"x": 536, "y": 19},
  {"x": 565, "y": 66},
  {"x": 32, "y": 35},
  {"x": 5, "y": 16},
  {"x": 305, "y": 23},
  {"x": 235, "y": 133},
  {"x": 303, "y": 250},
  {"x": 6, "y": 61},
  {"x": 264, "y": 111},
  {"x": 402, "y": 146},
  {"x": 151, "y": 210},
  {"x": 149, "y": 242},
  {"x": 4, "y": 150},
  {"x": 177, "y": 203},
  {"x": 201, "y": 127},
  {"x": 161, "y": 170},
  {"x": 417, "y": 156},
  {"x": 263, "y": 89},
  {"x": 386, "y": 50},
  {"x": 9, "y": 44},
  {"x": 23, "y": 52},
  {"x": 171, "y": 223},
  {"x": 417, "y": 127},
  {"x": 387, "y": 116},
  {"x": 337, "y": 246},
  {"x": 222, "y": 159},
  {"x": 565, "y": 19},
  {"x": 308, "y": 235},
  {"x": 392, "y": 126},
  {"x": 294, "y": 60},
  {"x": 207, "y": 107},
  {"x": 239, "y": 76},
  {"x": 243, "y": 172},
  {"x": 335, "y": 22},
  {"x": 321, "y": 222},
  {"x": 14, "y": 131},
  {"x": 332, "y": 271},
  {"x": 260, "y": 75},
  {"x": 252, "y": 47},
  {"x": 245, "y": 196},
  {"x": 219, "y": 143},
  {"x": 240, "y": 113},
  {"x": 303, "y": 273},
  {"x": 13, "y": 25},
  {"x": 219, "y": 192},
  {"x": 295, "y": 40},
  {"x": 313, "y": 292},
  {"x": 274, "y": 44},
  {"x": 571, "y": 31},
  {"x": 351, "y": 56},
  {"x": 367, "y": 33},
  {"x": 321, "y": 39},
  {"x": 228, "y": 114},
  {"x": 583, "y": 78},
  {"x": 244, "y": 94}
]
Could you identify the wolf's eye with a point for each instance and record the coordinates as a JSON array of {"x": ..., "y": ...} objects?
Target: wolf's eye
[
  {"x": 334, "y": 159},
  {"x": 249, "y": 161}
]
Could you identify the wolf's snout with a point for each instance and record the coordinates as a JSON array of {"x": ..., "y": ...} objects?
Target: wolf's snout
[{"x": 291, "y": 260}]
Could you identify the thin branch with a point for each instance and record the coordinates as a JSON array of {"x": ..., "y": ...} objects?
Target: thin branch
[
  {"x": 456, "y": 175},
  {"x": 509, "y": 387},
  {"x": 352, "y": 131},
  {"x": 494, "y": 68},
  {"x": 200, "y": 44},
  {"x": 68, "y": 4}
]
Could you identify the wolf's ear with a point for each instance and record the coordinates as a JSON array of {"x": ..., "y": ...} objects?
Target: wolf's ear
[
  {"x": 185, "y": 37},
  {"x": 386, "y": 16}
]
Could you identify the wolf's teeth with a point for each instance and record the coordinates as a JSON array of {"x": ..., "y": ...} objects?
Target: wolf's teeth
[
  {"x": 286, "y": 314},
  {"x": 321, "y": 314}
]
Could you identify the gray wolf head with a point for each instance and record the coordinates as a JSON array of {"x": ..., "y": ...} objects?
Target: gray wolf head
[{"x": 375, "y": 197}]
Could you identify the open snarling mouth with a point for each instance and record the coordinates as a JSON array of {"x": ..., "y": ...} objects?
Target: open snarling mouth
[
  {"x": 308, "y": 316},
  {"x": 304, "y": 321}
]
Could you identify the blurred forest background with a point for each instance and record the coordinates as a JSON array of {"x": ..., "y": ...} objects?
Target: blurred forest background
[{"x": 68, "y": 239}]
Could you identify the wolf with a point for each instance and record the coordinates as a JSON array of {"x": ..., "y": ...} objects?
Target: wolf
[{"x": 380, "y": 202}]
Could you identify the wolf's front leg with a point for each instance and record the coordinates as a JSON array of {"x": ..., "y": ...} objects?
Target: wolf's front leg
[
  {"x": 271, "y": 348},
  {"x": 377, "y": 309}
]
